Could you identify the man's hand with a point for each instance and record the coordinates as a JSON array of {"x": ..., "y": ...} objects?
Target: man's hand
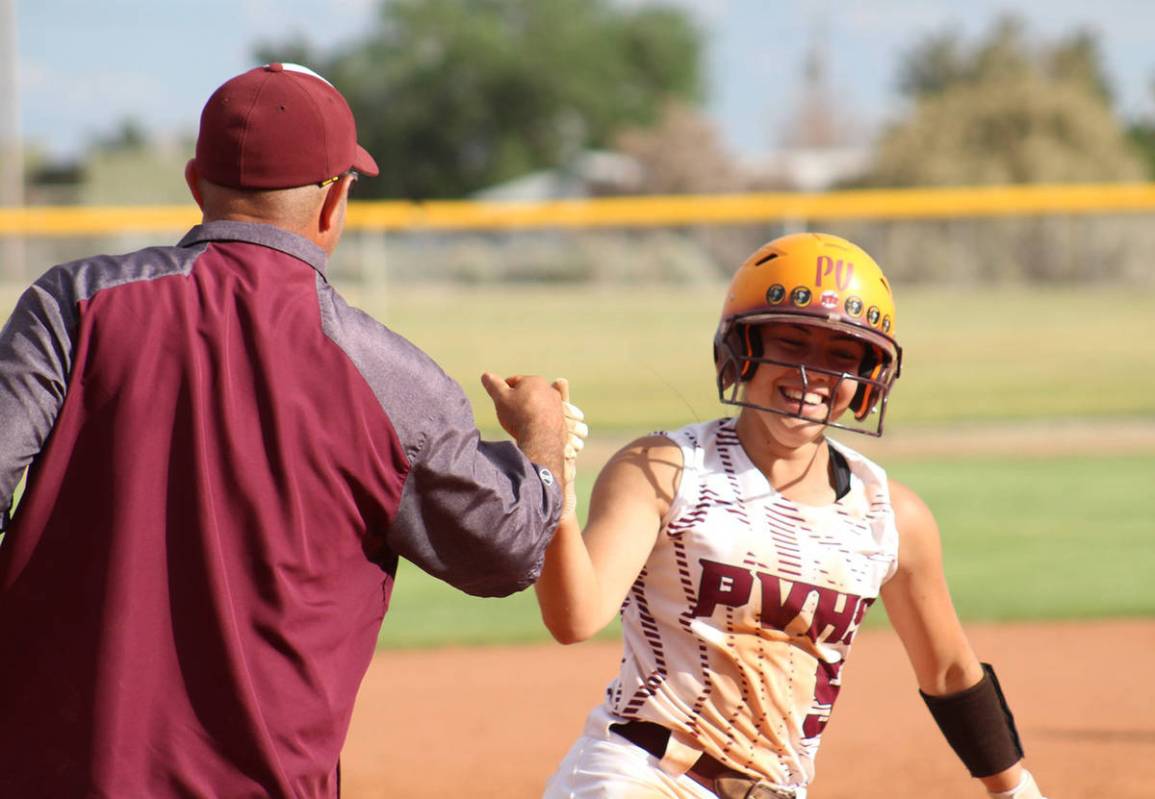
[{"x": 532, "y": 412}]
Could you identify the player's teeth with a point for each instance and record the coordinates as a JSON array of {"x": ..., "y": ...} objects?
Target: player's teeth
[{"x": 808, "y": 398}]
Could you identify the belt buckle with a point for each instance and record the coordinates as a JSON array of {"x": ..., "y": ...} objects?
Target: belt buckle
[{"x": 739, "y": 788}]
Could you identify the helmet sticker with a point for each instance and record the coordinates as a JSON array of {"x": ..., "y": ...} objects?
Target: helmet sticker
[
  {"x": 800, "y": 296},
  {"x": 775, "y": 294},
  {"x": 886, "y": 324},
  {"x": 843, "y": 271},
  {"x": 829, "y": 300},
  {"x": 873, "y": 315},
  {"x": 854, "y": 306}
]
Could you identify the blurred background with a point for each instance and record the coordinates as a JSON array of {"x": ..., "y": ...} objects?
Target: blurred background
[
  {"x": 567, "y": 186},
  {"x": 516, "y": 100}
]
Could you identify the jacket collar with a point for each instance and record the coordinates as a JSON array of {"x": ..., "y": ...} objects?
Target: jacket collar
[{"x": 254, "y": 233}]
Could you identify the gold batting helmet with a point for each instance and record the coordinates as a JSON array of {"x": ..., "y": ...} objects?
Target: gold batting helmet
[{"x": 814, "y": 279}]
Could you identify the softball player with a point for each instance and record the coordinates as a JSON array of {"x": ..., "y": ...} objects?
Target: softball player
[{"x": 743, "y": 554}]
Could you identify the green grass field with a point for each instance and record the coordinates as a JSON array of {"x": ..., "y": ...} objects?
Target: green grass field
[{"x": 1033, "y": 538}]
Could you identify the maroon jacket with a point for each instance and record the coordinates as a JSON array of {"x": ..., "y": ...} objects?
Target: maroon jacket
[{"x": 225, "y": 462}]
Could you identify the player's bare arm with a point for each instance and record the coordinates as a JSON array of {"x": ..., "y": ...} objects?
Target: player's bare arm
[
  {"x": 586, "y": 576},
  {"x": 918, "y": 602}
]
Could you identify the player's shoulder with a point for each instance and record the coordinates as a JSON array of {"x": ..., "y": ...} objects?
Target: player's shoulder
[
  {"x": 655, "y": 450},
  {"x": 908, "y": 505},
  {"x": 914, "y": 519},
  {"x": 662, "y": 458},
  {"x": 675, "y": 443},
  {"x": 648, "y": 468}
]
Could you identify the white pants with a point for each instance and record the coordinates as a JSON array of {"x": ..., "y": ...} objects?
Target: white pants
[{"x": 604, "y": 765}]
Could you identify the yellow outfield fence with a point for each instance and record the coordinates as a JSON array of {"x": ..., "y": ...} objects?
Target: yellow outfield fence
[
  {"x": 653, "y": 211},
  {"x": 1026, "y": 233}
]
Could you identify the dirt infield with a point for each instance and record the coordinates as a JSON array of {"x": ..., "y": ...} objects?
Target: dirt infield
[{"x": 483, "y": 723}]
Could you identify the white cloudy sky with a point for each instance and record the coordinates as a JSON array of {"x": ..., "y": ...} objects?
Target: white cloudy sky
[{"x": 85, "y": 65}]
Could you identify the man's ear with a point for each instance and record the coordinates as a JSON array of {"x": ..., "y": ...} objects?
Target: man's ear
[
  {"x": 192, "y": 178},
  {"x": 330, "y": 209}
]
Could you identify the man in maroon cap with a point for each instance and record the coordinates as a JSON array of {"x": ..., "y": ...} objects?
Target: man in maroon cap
[{"x": 225, "y": 462}]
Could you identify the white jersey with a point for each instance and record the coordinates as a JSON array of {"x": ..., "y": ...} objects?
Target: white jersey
[{"x": 738, "y": 626}]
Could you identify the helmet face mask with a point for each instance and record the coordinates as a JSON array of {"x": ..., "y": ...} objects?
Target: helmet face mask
[
  {"x": 815, "y": 280},
  {"x": 862, "y": 415}
]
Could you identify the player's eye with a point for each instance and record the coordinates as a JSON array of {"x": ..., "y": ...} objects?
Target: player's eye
[{"x": 845, "y": 360}]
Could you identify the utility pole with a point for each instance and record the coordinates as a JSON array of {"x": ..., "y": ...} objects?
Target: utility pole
[{"x": 11, "y": 148}]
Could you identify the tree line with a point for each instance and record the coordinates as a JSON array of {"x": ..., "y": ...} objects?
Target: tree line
[
  {"x": 462, "y": 94},
  {"x": 454, "y": 96}
]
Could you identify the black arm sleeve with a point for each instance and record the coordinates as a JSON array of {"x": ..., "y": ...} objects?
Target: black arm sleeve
[{"x": 978, "y": 725}]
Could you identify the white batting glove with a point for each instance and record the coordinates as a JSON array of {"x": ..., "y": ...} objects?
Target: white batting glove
[
  {"x": 576, "y": 433},
  {"x": 578, "y": 430},
  {"x": 1026, "y": 789}
]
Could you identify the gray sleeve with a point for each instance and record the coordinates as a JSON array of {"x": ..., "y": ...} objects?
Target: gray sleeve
[
  {"x": 35, "y": 361},
  {"x": 475, "y": 514}
]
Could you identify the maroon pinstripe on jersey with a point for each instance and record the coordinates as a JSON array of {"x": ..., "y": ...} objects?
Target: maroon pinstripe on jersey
[{"x": 737, "y": 629}]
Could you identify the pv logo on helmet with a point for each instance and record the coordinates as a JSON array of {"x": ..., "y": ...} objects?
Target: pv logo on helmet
[{"x": 843, "y": 271}]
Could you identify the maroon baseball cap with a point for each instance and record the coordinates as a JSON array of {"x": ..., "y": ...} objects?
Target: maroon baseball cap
[{"x": 277, "y": 127}]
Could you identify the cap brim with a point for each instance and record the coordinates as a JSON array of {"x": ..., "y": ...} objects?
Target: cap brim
[{"x": 364, "y": 163}]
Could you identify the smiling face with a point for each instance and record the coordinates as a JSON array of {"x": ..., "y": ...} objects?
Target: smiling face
[
  {"x": 806, "y": 376},
  {"x": 815, "y": 281}
]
